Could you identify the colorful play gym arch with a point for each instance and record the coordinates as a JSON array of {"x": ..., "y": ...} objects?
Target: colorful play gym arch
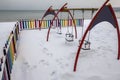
[
  {"x": 50, "y": 11},
  {"x": 105, "y": 13},
  {"x": 62, "y": 9}
]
